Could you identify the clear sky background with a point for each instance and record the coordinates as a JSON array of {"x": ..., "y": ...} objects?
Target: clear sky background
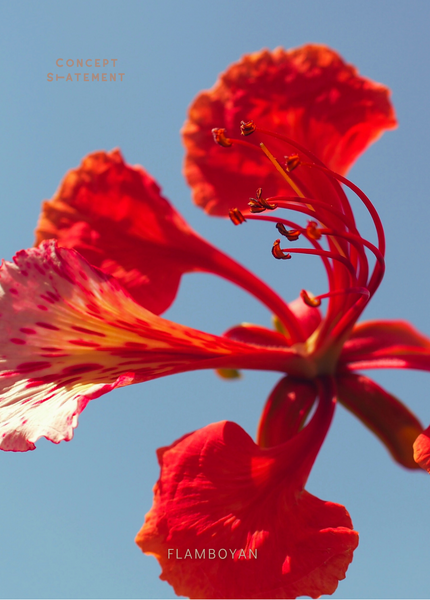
[{"x": 69, "y": 512}]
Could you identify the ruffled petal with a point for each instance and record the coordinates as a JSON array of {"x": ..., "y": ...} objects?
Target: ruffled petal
[
  {"x": 116, "y": 217},
  {"x": 394, "y": 424},
  {"x": 422, "y": 450},
  {"x": 69, "y": 333},
  {"x": 308, "y": 94},
  {"x": 258, "y": 535}
]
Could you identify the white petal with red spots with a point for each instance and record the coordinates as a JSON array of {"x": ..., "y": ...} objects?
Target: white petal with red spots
[{"x": 70, "y": 333}]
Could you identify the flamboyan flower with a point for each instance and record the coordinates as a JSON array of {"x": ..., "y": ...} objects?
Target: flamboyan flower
[
  {"x": 212, "y": 493},
  {"x": 71, "y": 331}
]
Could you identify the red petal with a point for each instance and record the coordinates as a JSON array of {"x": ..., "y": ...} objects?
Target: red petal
[
  {"x": 307, "y": 317},
  {"x": 255, "y": 334},
  {"x": 285, "y": 411},
  {"x": 220, "y": 493},
  {"x": 381, "y": 338},
  {"x": 116, "y": 217},
  {"x": 383, "y": 414},
  {"x": 385, "y": 345},
  {"x": 308, "y": 94},
  {"x": 422, "y": 450},
  {"x": 69, "y": 333}
]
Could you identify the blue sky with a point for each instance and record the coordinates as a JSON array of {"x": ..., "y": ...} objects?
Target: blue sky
[{"x": 69, "y": 513}]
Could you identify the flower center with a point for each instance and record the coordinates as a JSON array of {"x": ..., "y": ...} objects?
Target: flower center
[{"x": 309, "y": 187}]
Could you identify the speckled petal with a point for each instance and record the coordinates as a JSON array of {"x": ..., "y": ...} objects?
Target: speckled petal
[{"x": 70, "y": 333}]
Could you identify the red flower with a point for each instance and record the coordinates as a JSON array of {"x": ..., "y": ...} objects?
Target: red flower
[
  {"x": 232, "y": 520},
  {"x": 209, "y": 494},
  {"x": 70, "y": 332}
]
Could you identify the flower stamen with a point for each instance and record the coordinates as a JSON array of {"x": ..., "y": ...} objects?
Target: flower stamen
[
  {"x": 220, "y": 137},
  {"x": 368, "y": 204},
  {"x": 277, "y": 252},
  {"x": 247, "y": 127},
  {"x": 281, "y": 170},
  {"x": 236, "y": 216},
  {"x": 332, "y": 217},
  {"x": 292, "y": 235},
  {"x": 315, "y": 301},
  {"x": 316, "y": 252},
  {"x": 260, "y": 204},
  {"x": 313, "y": 231},
  {"x": 292, "y": 162},
  {"x": 309, "y": 299}
]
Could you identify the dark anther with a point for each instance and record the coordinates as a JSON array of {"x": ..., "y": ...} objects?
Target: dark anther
[
  {"x": 267, "y": 205},
  {"x": 236, "y": 216},
  {"x": 291, "y": 234},
  {"x": 292, "y": 162},
  {"x": 309, "y": 300},
  {"x": 247, "y": 127},
  {"x": 278, "y": 252},
  {"x": 255, "y": 207},
  {"x": 259, "y": 204},
  {"x": 220, "y": 137}
]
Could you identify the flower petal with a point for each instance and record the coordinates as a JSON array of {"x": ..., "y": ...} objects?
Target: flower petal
[
  {"x": 382, "y": 413},
  {"x": 376, "y": 335},
  {"x": 256, "y": 334},
  {"x": 307, "y": 317},
  {"x": 422, "y": 450},
  {"x": 285, "y": 411},
  {"x": 308, "y": 94},
  {"x": 219, "y": 493},
  {"x": 69, "y": 333},
  {"x": 116, "y": 217},
  {"x": 386, "y": 344}
]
